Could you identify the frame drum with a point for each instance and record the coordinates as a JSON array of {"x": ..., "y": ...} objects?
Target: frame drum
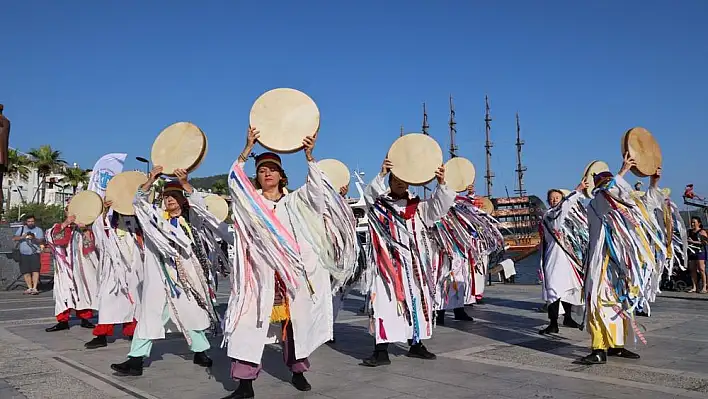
[
  {"x": 284, "y": 117},
  {"x": 644, "y": 149},
  {"x": 87, "y": 206},
  {"x": 217, "y": 206},
  {"x": 593, "y": 168},
  {"x": 459, "y": 173},
  {"x": 486, "y": 205},
  {"x": 415, "y": 157},
  {"x": 121, "y": 191},
  {"x": 336, "y": 172},
  {"x": 181, "y": 145}
]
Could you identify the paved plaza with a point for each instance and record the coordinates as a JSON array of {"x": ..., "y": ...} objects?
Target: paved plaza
[{"x": 499, "y": 355}]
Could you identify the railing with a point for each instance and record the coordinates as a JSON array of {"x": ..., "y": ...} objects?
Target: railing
[{"x": 511, "y": 200}]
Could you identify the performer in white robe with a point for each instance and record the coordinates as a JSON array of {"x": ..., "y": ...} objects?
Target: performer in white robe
[
  {"x": 465, "y": 237},
  {"x": 620, "y": 264},
  {"x": 351, "y": 278},
  {"x": 401, "y": 292},
  {"x": 481, "y": 268},
  {"x": 177, "y": 279},
  {"x": 667, "y": 225},
  {"x": 280, "y": 289},
  {"x": 75, "y": 272},
  {"x": 561, "y": 266},
  {"x": 120, "y": 241}
]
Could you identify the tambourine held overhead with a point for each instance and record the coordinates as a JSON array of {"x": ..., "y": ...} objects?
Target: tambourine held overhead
[
  {"x": 485, "y": 204},
  {"x": 593, "y": 168},
  {"x": 181, "y": 145},
  {"x": 415, "y": 157},
  {"x": 284, "y": 117},
  {"x": 643, "y": 147},
  {"x": 337, "y": 172},
  {"x": 122, "y": 188},
  {"x": 459, "y": 173},
  {"x": 217, "y": 206},
  {"x": 86, "y": 206}
]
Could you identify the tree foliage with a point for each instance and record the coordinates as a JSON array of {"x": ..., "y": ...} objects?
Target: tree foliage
[
  {"x": 18, "y": 165},
  {"x": 46, "y": 215},
  {"x": 75, "y": 177},
  {"x": 47, "y": 161}
]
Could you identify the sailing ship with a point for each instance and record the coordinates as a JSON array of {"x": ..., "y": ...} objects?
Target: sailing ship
[{"x": 519, "y": 216}]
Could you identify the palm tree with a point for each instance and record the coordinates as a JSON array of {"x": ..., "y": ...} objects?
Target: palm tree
[
  {"x": 75, "y": 177},
  {"x": 47, "y": 161},
  {"x": 17, "y": 167},
  {"x": 219, "y": 187}
]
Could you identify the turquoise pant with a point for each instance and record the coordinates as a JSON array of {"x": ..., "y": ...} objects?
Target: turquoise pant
[{"x": 141, "y": 347}]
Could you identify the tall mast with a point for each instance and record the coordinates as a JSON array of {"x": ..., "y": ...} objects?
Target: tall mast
[
  {"x": 520, "y": 169},
  {"x": 488, "y": 146},
  {"x": 401, "y": 131},
  {"x": 453, "y": 130},
  {"x": 425, "y": 131}
]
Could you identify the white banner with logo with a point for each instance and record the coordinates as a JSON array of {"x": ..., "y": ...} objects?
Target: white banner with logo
[{"x": 108, "y": 166}]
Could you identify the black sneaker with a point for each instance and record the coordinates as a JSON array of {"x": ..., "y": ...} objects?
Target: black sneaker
[
  {"x": 598, "y": 356},
  {"x": 551, "y": 329},
  {"x": 87, "y": 324},
  {"x": 201, "y": 359},
  {"x": 62, "y": 325},
  {"x": 244, "y": 391},
  {"x": 621, "y": 352},
  {"x": 420, "y": 351},
  {"x": 300, "y": 382},
  {"x": 461, "y": 315},
  {"x": 133, "y": 366},
  {"x": 379, "y": 358},
  {"x": 97, "y": 342}
]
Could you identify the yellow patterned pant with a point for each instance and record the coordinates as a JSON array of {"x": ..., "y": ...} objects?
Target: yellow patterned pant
[{"x": 607, "y": 330}]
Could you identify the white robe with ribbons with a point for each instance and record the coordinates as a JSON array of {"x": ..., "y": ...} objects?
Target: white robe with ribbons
[
  {"x": 121, "y": 269},
  {"x": 561, "y": 277},
  {"x": 403, "y": 282},
  {"x": 75, "y": 274},
  {"x": 247, "y": 327},
  {"x": 621, "y": 260},
  {"x": 166, "y": 247}
]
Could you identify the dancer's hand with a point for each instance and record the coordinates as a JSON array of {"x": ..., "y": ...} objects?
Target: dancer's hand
[
  {"x": 440, "y": 174},
  {"x": 386, "y": 167},
  {"x": 628, "y": 164}
]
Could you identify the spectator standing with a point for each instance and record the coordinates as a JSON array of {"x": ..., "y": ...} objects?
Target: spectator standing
[{"x": 30, "y": 238}]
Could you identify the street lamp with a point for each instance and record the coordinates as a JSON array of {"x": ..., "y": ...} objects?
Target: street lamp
[{"x": 146, "y": 162}]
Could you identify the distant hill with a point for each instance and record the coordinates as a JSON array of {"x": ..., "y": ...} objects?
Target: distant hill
[{"x": 205, "y": 183}]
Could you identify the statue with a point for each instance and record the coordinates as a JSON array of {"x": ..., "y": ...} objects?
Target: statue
[{"x": 4, "y": 144}]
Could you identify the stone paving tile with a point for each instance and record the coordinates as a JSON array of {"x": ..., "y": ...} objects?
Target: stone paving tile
[
  {"x": 54, "y": 386},
  {"x": 500, "y": 356}
]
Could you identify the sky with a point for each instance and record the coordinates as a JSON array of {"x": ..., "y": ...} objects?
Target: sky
[{"x": 91, "y": 78}]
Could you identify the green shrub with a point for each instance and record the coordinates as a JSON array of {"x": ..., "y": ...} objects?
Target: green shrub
[{"x": 46, "y": 215}]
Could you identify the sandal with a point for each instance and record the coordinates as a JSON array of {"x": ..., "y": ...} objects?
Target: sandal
[{"x": 691, "y": 291}]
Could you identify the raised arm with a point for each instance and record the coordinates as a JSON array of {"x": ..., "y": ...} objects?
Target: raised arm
[
  {"x": 440, "y": 203},
  {"x": 654, "y": 198},
  {"x": 312, "y": 193},
  {"x": 377, "y": 187},
  {"x": 624, "y": 189},
  {"x": 558, "y": 213},
  {"x": 251, "y": 137},
  {"x": 199, "y": 210}
]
